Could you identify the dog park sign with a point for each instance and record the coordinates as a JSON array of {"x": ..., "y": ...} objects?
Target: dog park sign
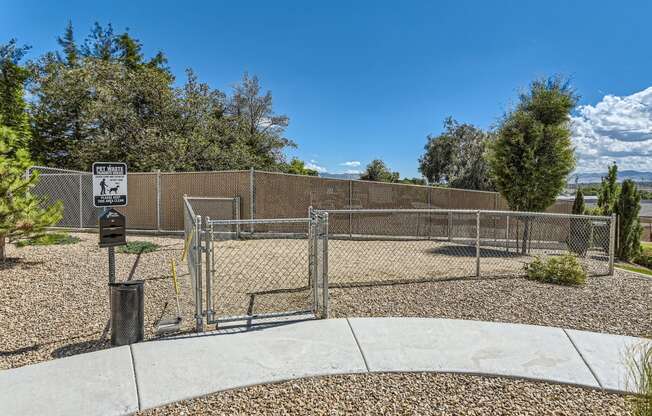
[{"x": 109, "y": 184}]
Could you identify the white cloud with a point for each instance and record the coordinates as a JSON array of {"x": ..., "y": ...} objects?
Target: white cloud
[
  {"x": 352, "y": 171},
  {"x": 351, "y": 163},
  {"x": 615, "y": 129},
  {"x": 313, "y": 164}
]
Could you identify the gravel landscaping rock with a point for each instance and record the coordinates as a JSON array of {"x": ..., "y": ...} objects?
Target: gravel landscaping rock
[
  {"x": 54, "y": 299},
  {"x": 409, "y": 393},
  {"x": 619, "y": 304}
]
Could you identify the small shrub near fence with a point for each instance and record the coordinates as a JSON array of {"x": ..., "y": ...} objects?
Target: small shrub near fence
[{"x": 563, "y": 270}]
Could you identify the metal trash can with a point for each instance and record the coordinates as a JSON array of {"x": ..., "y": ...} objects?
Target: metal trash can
[{"x": 127, "y": 312}]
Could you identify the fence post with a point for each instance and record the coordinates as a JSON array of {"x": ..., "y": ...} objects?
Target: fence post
[
  {"x": 450, "y": 224},
  {"x": 325, "y": 266},
  {"x": 252, "y": 205},
  {"x": 507, "y": 235},
  {"x": 209, "y": 271},
  {"x": 81, "y": 208},
  {"x": 429, "y": 212},
  {"x": 612, "y": 243},
  {"x": 199, "y": 321},
  {"x": 350, "y": 207},
  {"x": 477, "y": 244},
  {"x": 158, "y": 200}
]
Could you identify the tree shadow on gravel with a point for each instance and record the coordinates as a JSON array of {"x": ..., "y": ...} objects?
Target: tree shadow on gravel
[
  {"x": 80, "y": 348},
  {"x": 469, "y": 251},
  {"x": 11, "y": 262}
]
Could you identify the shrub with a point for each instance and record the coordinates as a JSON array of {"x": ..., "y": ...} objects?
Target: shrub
[
  {"x": 49, "y": 240},
  {"x": 641, "y": 372},
  {"x": 645, "y": 258},
  {"x": 562, "y": 270},
  {"x": 138, "y": 247}
]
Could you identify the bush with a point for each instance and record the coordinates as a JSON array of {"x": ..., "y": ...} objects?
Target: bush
[
  {"x": 641, "y": 372},
  {"x": 562, "y": 270},
  {"x": 138, "y": 247},
  {"x": 645, "y": 258},
  {"x": 49, "y": 240}
]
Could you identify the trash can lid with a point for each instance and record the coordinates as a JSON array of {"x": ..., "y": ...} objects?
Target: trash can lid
[{"x": 138, "y": 282}]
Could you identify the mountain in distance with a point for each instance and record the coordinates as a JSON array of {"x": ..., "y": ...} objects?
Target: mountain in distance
[
  {"x": 595, "y": 177},
  {"x": 340, "y": 175}
]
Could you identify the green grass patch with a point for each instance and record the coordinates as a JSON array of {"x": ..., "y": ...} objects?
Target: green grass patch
[
  {"x": 632, "y": 268},
  {"x": 50, "y": 239},
  {"x": 138, "y": 247},
  {"x": 562, "y": 270}
]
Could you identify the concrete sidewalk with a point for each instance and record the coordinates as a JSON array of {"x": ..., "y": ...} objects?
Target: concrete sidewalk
[{"x": 123, "y": 380}]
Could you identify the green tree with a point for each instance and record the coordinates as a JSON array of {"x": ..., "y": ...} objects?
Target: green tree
[
  {"x": 608, "y": 192},
  {"x": 580, "y": 228},
  {"x": 260, "y": 127},
  {"x": 413, "y": 181},
  {"x": 532, "y": 156},
  {"x": 456, "y": 157},
  {"x": 12, "y": 98},
  {"x": 116, "y": 103},
  {"x": 627, "y": 208},
  {"x": 379, "y": 172},
  {"x": 21, "y": 214},
  {"x": 298, "y": 167},
  {"x": 578, "y": 204},
  {"x": 67, "y": 43}
]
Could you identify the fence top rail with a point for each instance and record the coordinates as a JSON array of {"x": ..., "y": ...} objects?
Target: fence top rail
[
  {"x": 211, "y": 198},
  {"x": 259, "y": 221},
  {"x": 186, "y": 203},
  {"x": 460, "y": 211}
]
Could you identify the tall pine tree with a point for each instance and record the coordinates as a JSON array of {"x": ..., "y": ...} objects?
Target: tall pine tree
[
  {"x": 627, "y": 208},
  {"x": 21, "y": 214}
]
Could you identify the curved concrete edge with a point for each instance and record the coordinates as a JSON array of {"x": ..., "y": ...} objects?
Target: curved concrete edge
[
  {"x": 151, "y": 374},
  {"x": 95, "y": 383},
  {"x": 182, "y": 368}
]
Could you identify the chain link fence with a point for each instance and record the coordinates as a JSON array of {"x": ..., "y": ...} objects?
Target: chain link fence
[
  {"x": 155, "y": 198},
  {"x": 373, "y": 246},
  {"x": 238, "y": 275}
]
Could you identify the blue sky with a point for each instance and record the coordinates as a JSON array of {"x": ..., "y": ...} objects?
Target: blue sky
[{"x": 363, "y": 80}]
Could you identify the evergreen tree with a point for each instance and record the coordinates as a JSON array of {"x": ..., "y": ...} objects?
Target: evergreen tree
[
  {"x": 532, "y": 156},
  {"x": 608, "y": 193},
  {"x": 21, "y": 214},
  {"x": 67, "y": 43},
  {"x": 12, "y": 97},
  {"x": 579, "y": 227},
  {"x": 101, "y": 43},
  {"x": 578, "y": 204},
  {"x": 627, "y": 208}
]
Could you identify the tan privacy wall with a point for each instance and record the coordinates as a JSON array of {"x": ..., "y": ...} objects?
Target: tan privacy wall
[{"x": 155, "y": 199}]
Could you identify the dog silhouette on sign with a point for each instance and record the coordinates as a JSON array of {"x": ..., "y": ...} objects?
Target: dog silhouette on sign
[{"x": 114, "y": 189}]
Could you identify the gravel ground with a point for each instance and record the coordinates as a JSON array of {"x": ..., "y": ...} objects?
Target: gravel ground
[
  {"x": 618, "y": 304},
  {"x": 54, "y": 299},
  {"x": 408, "y": 393}
]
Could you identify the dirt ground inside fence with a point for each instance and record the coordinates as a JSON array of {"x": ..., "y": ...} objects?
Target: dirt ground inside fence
[{"x": 54, "y": 299}]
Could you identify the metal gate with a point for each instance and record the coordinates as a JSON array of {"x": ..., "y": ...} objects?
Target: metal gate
[{"x": 280, "y": 270}]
